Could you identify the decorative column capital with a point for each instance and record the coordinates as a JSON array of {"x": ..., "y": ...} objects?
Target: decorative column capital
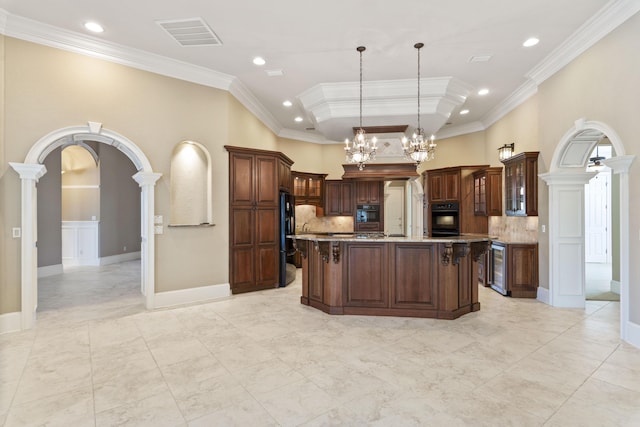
[
  {"x": 145, "y": 179},
  {"x": 567, "y": 178},
  {"x": 620, "y": 164},
  {"x": 33, "y": 171}
]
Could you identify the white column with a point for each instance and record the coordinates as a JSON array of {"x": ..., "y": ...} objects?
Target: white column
[
  {"x": 620, "y": 166},
  {"x": 147, "y": 182},
  {"x": 566, "y": 237},
  {"x": 29, "y": 175}
]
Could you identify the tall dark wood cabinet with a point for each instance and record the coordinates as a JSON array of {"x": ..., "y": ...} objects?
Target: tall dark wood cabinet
[
  {"x": 255, "y": 178},
  {"x": 370, "y": 193},
  {"x": 454, "y": 184}
]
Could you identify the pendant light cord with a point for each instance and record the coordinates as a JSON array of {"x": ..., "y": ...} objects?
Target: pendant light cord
[
  {"x": 360, "y": 49},
  {"x": 419, "y": 46}
]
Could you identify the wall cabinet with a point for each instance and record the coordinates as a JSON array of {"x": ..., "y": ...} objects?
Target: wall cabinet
[
  {"x": 443, "y": 186},
  {"x": 521, "y": 184},
  {"x": 254, "y": 184},
  {"x": 308, "y": 188},
  {"x": 338, "y": 200},
  {"x": 487, "y": 192},
  {"x": 369, "y": 192},
  {"x": 513, "y": 269}
]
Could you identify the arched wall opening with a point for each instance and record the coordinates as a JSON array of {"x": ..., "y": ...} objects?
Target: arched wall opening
[
  {"x": 33, "y": 169},
  {"x": 566, "y": 179}
]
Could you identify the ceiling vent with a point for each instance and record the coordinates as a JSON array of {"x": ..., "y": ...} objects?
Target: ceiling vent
[{"x": 190, "y": 32}]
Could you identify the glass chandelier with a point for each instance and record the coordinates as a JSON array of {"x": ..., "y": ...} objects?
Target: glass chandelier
[
  {"x": 419, "y": 149},
  {"x": 362, "y": 149}
]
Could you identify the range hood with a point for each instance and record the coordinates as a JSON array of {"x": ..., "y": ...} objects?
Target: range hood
[{"x": 381, "y": 171}]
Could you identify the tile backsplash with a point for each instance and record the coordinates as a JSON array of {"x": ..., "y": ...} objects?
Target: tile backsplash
[
  {"x": 306, "y": 217},
  {"x": 521, "y": 229}
]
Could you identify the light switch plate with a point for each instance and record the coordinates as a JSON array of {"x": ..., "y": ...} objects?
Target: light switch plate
[
  {"x": 16, "y": 232},
  {"x": 158, "y": 229},
  {"x": 157, "y": 219}
]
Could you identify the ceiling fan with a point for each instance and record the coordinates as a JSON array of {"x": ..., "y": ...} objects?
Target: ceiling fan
[{"x": 595, "y": 161}]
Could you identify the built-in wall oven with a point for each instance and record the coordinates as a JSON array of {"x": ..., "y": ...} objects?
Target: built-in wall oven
[
  {"x": 497, "y": 268},
  {"x": 368, "y": 213},
  {"x": 445, "y": 219}
]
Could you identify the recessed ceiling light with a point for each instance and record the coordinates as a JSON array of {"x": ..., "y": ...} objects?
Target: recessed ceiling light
[
  {"x": 258, "y": 60},
  {"x": 94, "y": 27},
  {"x": 298, "y": 119},
  {"x": 483, "y": 92},
  {"x": 463, "y": 112},
  {"x": 530, "y": 42},
  {"x": 287, "y": 103}
]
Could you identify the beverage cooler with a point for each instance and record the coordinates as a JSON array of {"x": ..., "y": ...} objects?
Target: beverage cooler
[{"x": 497, "y": 268}]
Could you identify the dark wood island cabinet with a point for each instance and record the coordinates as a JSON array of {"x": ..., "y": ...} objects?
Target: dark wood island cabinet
[{"x": 386, "y": 276}]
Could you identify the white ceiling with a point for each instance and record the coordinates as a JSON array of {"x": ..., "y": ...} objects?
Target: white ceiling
[{"x": 314, "y": 44}]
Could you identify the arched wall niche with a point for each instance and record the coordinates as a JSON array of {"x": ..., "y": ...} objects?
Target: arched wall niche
[{"x": 190, "y": 186}]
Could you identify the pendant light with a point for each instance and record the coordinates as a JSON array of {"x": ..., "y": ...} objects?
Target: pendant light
[
  {"x": 361, "y": 150},
  {"x": 419, "y": 149}
]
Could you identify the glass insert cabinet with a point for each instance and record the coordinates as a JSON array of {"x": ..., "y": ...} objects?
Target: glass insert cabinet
[{"x": 521, "y": 184}]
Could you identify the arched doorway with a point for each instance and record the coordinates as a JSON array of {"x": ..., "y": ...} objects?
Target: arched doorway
[
  {"x": 566, "y": 179},
  {"x": 32, "y": 170}
]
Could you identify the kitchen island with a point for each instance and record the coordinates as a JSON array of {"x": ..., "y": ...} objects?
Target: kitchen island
[{"x": 375, "y": 275}]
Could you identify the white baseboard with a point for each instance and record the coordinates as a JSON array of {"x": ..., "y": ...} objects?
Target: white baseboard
[
  {"x": 77, "y": 262},
  {"x": 633, "y": 334},
  {"x": 114, "y": 259},
  {"x": 10, "y": 322},
  {"x": 543, "y": 295},
  {"x": 50, "y": 270},
  {"x": 192, "y": 295},
  {"x": 615, "y": 287}
]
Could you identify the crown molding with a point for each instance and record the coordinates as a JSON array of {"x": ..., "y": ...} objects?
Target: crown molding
[
  {"x": 611, "y": 16},
  {"x": 597, "y": 27},
  {"x": 37, "y": 32},
  {"x": 305, "y": 136},
  {"x": 453, "y": 131},
  {"x": 251, "y": 103},
  {"x": 517, "y": 97}
]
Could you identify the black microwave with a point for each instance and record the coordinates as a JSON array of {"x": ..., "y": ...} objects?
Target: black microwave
[{"x": 368, "y": 213}]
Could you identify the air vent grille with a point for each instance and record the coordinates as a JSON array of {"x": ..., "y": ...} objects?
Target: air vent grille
[{"x": 190, "y": 32}]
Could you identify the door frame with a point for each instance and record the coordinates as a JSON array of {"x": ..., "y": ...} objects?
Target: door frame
[
  {"x": 33, "y": 169},
  {"x": 566, "y": 179}
]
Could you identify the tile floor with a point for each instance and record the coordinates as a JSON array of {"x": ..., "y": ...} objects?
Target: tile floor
[
  {"x": 97, "y": 358},
  {"x": 598, "y": 282}
]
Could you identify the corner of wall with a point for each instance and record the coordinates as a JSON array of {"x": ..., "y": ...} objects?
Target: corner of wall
[{"x": 633, "y": 334}]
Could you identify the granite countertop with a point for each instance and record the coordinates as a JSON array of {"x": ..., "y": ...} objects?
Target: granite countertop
[
  {"x": 380, "y": 237},
  {"x": 511, "y": 241}
]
